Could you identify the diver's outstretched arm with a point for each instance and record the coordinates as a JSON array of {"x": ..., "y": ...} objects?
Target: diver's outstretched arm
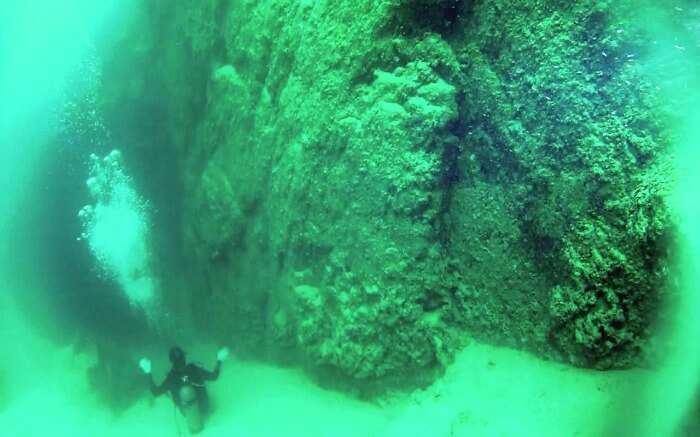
[
  {"x": 157, "y": 390},
  {"x": 221, "y": 356},
  {"x": 214, "y": 374}
]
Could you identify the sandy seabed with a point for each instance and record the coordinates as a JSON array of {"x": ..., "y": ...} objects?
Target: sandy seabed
[{"x": 487, "y": 391}]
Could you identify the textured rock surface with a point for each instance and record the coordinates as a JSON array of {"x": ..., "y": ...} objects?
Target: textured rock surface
[{"x": 368, "y": 182}]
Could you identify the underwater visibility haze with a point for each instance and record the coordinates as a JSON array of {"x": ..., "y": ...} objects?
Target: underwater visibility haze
[{"x": 350, "y": 218}]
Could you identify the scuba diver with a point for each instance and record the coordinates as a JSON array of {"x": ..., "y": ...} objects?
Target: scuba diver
[{"x": 186, "y": 384}]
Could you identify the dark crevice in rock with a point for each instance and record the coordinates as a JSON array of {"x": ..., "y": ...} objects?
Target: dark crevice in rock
[
  {"x": 451, "y": 174},
  {"x": 219, "y": 52},
  {"x": 450, "y": 177},
  {"x": 415, "y": 17}
]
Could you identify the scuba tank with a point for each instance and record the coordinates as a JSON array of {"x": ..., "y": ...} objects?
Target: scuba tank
[{"x": 190, "y": 408}]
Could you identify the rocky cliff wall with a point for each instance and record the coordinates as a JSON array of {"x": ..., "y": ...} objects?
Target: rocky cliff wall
[{"x": 367, "y": 183}]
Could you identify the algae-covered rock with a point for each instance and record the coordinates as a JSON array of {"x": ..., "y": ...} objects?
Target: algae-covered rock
[
  {"x": 369, "y": 182},
  {"x": 221, "y": 216},
  {"x": 367, "y": 222},
  {"x": 571, "y": 133}
]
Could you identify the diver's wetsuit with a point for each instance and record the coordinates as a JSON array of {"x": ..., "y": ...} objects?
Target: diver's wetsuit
[{"x": 192, "y": 375}]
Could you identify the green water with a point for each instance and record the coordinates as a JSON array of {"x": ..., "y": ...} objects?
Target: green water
[{"x": 402, "y": 217}]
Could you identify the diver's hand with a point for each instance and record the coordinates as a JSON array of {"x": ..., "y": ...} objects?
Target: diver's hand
[
  {"x": 222, "y": 355},
  {"x": 145, "y": 365}
]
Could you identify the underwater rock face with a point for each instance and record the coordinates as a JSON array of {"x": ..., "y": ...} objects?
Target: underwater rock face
[{"x": 367, "y": 185}]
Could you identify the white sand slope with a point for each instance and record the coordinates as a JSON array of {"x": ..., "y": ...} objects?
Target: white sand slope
[
  {"x": 500, "y": 392},
  {"x": 488, "y": 391}
]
